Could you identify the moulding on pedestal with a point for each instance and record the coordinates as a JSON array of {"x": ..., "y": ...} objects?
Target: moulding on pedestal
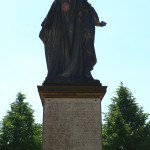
[{"x": 71, "y": 91}]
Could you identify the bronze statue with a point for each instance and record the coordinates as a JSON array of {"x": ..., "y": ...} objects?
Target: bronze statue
[{"x": 68, "y": 33}]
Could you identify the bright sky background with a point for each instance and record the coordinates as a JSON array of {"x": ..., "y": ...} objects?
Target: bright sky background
[{"x": 122, "y": 48}]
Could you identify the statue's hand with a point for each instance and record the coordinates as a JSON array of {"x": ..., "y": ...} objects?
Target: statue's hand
[{"x": 102, "y": 24}]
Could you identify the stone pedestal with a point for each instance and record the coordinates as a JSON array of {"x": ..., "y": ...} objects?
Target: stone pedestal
[{"x": 72, "y": 117}]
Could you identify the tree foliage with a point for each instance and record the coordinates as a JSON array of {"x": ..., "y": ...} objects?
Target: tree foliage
[
  {"x": 18, "y": 129},
  {"x": 126, "y": 126}
]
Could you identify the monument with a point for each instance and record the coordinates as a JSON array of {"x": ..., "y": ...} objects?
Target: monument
[{"x": 71, "y": 97}]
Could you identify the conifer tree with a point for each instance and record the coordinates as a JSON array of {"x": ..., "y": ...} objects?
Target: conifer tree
[
  {"x": 18, "y": 129},
  {"x": 126, "y": 126}
]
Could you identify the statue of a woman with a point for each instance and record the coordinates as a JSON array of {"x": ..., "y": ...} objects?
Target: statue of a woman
[{"x": 68, "y": 33}]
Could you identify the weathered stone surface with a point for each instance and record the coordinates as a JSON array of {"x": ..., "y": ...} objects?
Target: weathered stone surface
[{"x": 72, "y": 124}]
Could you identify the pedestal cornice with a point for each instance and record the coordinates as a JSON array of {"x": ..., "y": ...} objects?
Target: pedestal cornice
[{"x": 71, "y": 91}]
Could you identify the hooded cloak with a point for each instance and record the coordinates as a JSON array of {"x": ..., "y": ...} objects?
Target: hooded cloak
[{"x": 68, "y": 33}]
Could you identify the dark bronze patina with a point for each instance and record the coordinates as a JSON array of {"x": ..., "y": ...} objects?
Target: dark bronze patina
[{"x": 68, "y": 33}]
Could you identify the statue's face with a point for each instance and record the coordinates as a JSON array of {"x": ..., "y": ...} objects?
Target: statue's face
[{"x": 65, "y": 7}]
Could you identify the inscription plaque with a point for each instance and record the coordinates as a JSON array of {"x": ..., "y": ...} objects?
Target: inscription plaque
[{"x": 72, "y": 124}]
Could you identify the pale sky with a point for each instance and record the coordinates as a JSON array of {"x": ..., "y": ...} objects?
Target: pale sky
[{"x": 122, "y": 49}]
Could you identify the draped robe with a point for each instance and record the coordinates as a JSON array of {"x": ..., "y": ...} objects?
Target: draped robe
[{"x": 68, "y": 34}]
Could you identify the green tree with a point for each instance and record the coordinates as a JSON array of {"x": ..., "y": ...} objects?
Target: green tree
[
  {"x": 126, "y": 126},
  {"x": 18, "y": 129}
]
